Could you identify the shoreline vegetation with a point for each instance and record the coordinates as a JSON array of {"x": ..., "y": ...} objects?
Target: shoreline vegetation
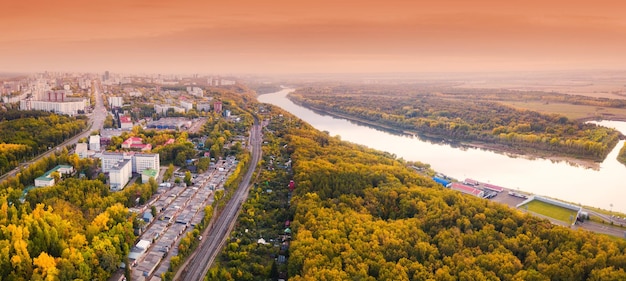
[
  {"x": 515, "y": 132},
  {"x": 364, "y": 214},
  {"x": 502, "y": 149}
]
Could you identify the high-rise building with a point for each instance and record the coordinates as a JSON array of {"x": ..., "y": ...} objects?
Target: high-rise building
[
  {"x": 203, "y": 106},
  {"x": 116, "y": 102},
  {"x": 109, "y": 159},
  {"x": 143, "y": 161},
  {"x": 217, "y": 106},
  {"x": 120, "y": 173},
  {"x": 94, "y": 142},
  {"x": 186, "y": 105}
]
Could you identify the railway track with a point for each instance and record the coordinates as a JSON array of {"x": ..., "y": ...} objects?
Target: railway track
[{"x": 200, "y": 262}]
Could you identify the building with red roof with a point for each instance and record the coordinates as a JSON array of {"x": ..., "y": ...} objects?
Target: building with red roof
[
  {"x": 136, "y": 143},
  {"x": 467, "y": 189},
  {"x": 126, "y": 123}
]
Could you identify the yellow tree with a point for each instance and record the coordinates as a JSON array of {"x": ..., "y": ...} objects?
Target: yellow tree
[{"x": 45, "y": 267}]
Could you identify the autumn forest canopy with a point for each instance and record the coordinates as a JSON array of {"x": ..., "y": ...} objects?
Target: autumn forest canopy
[
  {"x": 24, "y": 134},
  {"x": 354, "y": 213},
  {"x": 361, "y": 214}
]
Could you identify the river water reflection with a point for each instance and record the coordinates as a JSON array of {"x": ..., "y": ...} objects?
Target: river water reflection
[{"x": 601, "y": 187}]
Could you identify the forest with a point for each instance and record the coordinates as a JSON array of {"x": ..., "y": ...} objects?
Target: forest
[
  {"x": 24, "y": 134},
  {"x": 360, "y": 214},
  {"x": 74, "y": 230},
  {"x": 474, "y": 118}
]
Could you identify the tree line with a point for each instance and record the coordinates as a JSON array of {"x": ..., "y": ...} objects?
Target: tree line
[
  {"x": 454, "y": 118},
  {"x": 25, "y": 134}
]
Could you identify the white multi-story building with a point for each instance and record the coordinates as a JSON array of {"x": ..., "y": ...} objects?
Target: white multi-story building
[
  {"x": 143, "y": 161},
  {"x": 110, "y": 159},
  {"x": 60, "y": 107},
  {"x": 13, "y": 98},
  {"x": 140, "y": 161},
  {"x": 225, "y": 82},
  {"x": 94, "y": 142},
  {"x": 162, "y": 109},
  {"x": 120, "y": 173},
  {"x": 195, "y": 91},
  {"x": 205, "y": 106},
  {"x": 116, "y": 101},
  {"x": 186, "y": 105},
  {"x": 81, "y": 150}
]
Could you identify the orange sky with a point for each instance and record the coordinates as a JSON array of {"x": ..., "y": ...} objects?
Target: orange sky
[{"x": 298, "y": 36}]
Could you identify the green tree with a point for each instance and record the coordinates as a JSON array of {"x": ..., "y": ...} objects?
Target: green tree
[{"x": 187, "y": 178}]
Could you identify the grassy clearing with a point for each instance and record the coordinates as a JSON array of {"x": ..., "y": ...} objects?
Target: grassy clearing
[
  {"x": 572, "y": 111},
  {"x": 549, "y": 210}
]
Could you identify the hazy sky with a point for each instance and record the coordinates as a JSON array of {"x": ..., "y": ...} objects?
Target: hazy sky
[{"x": 299, "y": 36}]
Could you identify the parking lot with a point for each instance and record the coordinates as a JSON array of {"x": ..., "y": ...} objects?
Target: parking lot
[{"x": 179, "y": 209}]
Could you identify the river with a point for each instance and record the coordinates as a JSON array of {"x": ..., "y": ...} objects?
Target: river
[{"x": 600, "y": 187}]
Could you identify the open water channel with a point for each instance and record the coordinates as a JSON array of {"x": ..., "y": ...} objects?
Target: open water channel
[{"x": 604, "y": 187}]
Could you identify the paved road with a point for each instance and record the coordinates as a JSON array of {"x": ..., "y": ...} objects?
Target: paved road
[
  {"x": 603, "y": 228},
  {"x": 96, "y": 121},
  {"x": 198, "y": 264}
]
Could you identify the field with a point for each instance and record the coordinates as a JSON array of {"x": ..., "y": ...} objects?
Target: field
[
  {"x": 570, "y": 110},
  {"x": 549, "y": 210}
]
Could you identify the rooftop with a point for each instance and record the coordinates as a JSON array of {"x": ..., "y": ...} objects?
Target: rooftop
[
  {"x": 63, "y": 169},
  {"x": 466, "y": 189},
  {"x": 150, "y": 172}
]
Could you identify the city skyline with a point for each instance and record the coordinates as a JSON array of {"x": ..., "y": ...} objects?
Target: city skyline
[{"x": 310, "y": 37}]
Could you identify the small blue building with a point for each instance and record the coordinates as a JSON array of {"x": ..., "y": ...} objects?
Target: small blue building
[{"x": 445, "y": 183}]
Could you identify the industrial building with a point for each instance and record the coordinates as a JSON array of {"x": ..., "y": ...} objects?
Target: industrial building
[{"x": 170, "y": 123}]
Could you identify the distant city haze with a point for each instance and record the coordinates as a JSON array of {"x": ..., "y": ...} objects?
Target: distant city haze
[{"x": 275, "y": 36}]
